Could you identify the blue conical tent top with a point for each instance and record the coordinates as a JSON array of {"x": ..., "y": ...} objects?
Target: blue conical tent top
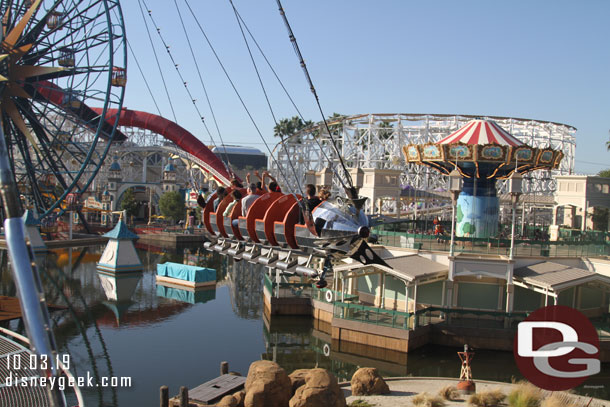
[
  {"x": 121, "y": 232},
  {"x": 29, "y": 219}
]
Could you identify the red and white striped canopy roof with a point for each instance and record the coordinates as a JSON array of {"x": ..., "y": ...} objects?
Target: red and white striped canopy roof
[{"x": 481, "y": 132}]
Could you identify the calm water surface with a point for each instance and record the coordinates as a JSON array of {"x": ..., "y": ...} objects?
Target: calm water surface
[{"x": 130, "y": 327}]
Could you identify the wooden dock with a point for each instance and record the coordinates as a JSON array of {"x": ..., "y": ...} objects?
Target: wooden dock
[
  {"x": 209, "y": 393},
  {"x": 10, "y": 308},
  {"x": 206, "y": 394},
  {"x": 91, "y": 240},
  {"x": 165, "y": 239}
]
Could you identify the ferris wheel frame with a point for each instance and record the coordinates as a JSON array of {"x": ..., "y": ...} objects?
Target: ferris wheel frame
[{"x": 63, "y": 59}]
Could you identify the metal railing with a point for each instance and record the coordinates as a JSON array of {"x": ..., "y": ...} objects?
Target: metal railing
[
  {"x": 320, "y": 294},
  {"x": 374, "y": 315},
  {"x": 288, "y": 289},
  {"x": 495, "y": 246},
  {"x": 471, "y": 318},
  {"x": 304, "y": 289}
]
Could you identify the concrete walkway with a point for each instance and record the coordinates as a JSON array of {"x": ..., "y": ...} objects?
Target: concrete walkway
[{"x": 404, "y": 389}]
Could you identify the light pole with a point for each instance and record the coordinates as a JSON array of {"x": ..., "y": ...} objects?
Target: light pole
[
  {"x": 455, "y": 186},
  {"x": 515, "y": 189},
  {"x": 150, "y": 205}
]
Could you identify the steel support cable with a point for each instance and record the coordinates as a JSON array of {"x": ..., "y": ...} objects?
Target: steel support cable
[
  {"x": 269, "y": 65},
  {"x": 205, "y": 91},
  {"x": 260, "y": 81},
  {"x": 185, "y": 83},
  {"x": 235, "y": 89},
  {"x": 144, "y": 77},
  {"x": 326, "y": 157},
  {"x": 297, "y": 51},
  {"x": 152, "y": 45}
]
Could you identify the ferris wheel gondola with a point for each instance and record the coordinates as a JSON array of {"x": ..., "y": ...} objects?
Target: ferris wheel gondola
[{"x": 59, "y": 59}]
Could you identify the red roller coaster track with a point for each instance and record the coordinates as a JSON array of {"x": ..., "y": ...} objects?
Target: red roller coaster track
[
  {"x": 174, "y": 133},
  {"x": 142, "y": 120}
]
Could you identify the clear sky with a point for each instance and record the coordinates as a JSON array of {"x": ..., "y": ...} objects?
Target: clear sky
[{"x": 546, "y": 60}]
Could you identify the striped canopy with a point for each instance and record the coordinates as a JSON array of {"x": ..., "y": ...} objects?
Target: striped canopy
[{"x": 481, "y": 132}]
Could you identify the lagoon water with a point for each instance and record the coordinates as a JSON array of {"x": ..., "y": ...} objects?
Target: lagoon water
[{"x": 130, "y": 327}]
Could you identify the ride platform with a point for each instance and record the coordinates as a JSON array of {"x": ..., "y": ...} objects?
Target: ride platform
[
  {"x": 185, "y": 276},
  {"x": 10, "y": 308}
]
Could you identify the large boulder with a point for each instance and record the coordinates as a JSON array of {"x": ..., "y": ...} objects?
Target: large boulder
[
  {"x": 320, "y": 390},
  {"x": 297, "y": 378},
  {"x": 227, "y": 401},
  {"x": 267, "y": 385},
  {"x": 240, "y": 396},
  {"x": 367, "y": 381}
]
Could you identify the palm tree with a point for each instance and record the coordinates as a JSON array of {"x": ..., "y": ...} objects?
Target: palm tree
[
  {"x": 285, "y": 128},
  {"x": 385, "y": 129},
  {"x": 337, "y": 126},
  {"x": 290, "y": 126}
]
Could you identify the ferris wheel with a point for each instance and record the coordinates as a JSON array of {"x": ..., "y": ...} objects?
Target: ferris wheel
[{"x": 58, "y": 61}]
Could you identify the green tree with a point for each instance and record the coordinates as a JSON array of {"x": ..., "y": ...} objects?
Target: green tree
[
  {"x": 128, "y": 203},
  {"x": 385, "y": 129},
  {"x": 290, "y": 126},
  {"x": 335, "y": 123},
  {"x": 171, "y": 205},
  {"x": 604, "y": 173}
]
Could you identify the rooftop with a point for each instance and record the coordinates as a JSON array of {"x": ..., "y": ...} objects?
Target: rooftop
[
  {"x": 408, "y": 267},
  {"x": 237, "y": 150},
  {"x": 121, "y": 231},
  {"x": 555, "y": 276}
]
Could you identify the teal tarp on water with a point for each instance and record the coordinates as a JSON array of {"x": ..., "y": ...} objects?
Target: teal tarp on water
[
  {"x": 190, "y": 297},
  {"x": 185, "y": 272}
]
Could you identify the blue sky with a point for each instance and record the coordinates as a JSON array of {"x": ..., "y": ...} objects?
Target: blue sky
[{"x": 545, "y": 60}]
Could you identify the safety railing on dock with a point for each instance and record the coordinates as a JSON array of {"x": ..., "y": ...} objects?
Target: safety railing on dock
[
  {"x": 304, "y": 289},
  {"x": 426, "y": 316},
  {"x": 499, "y": 246},
  {"x": 373, "y": 315},
  {"x": 288, "y": 289},
  {"x": 471, "y": 318},
  {"x": 321, "y": 294}
]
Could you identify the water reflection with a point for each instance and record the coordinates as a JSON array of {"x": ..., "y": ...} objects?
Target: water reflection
[
  {"x": 119, "y": 288},
  {"x": 95, "y": 301},
  {"x": 73, "y": 284},
  {"x": 299, "y": 343},
  {"x": 246, "y": 287},
  {"x": 199, "y": 296},
  {"x": 116, "y": 325}
]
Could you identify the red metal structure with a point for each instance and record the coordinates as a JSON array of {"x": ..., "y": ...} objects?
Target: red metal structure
[
  {"x": 466, "y": 384},
  {"x": 177, "y": 135}
]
